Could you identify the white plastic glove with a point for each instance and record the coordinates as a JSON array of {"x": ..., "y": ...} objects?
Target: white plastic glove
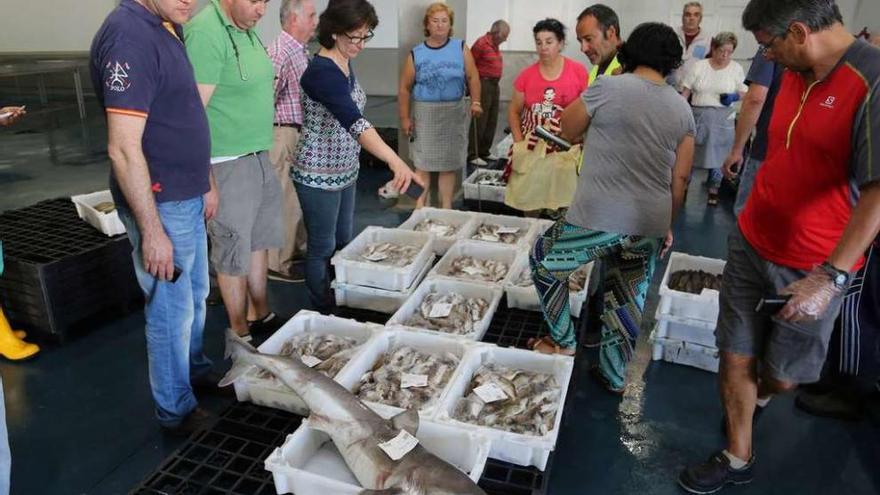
[{"x": 810, "y": 297}]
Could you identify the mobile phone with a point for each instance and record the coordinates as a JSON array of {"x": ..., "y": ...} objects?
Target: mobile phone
[
  {"x": 176, "y": 274},
  {"x": 414, "y": 190},
  {"x": 772, "y": 304},
  {"x": 553, "y": 138}
]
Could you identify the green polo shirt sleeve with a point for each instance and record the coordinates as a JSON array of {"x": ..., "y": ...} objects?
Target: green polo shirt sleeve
[{"x": 207, "y": 53}]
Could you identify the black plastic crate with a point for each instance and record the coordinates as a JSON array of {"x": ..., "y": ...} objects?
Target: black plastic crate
[
  {"x": 229, "y": 459},
  {"x": 61, "y": 271}
]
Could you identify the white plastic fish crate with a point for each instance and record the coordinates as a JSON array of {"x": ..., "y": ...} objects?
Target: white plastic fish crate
[
  {"x": 526, "y": 227},
  {"x": 702, "y": 306},
  {"x": 478, "y": 250},
  {"x": 686, "y": 330},
  {"x": 272, "y": 393},
  {"x": 687, "y": 353},
  {"x": 381, "y": 300},
  {"x": 108, "y": 223},
  {"x": 479, "y": 192},
  {"x": 527, "y": 297},
  {"x": 389, "y": 341},
  {"x": 309, "y": 464},
  {"x": 464, "y": 221},
  {"x": 351, "y": 271},
  {"x": 491, "y": 293},
  {"x": 516, "y": 448}
]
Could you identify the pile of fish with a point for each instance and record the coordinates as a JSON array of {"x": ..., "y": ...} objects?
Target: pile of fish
[
  {"x": 387, "y": 384},
  {"x": 530, "y": 406},
  {"x": 105, "y": 207},
  {"x": 333, "y": 351},
  {"x": 489, "y": 232},
  {"x": 437, "y": 227},
  {"x": 463, "y": 315},
  {"x": 694, "y": 281},
  {"x": 490, "y": 179},
  {"x": 470, "y": 268},
  {"x": 576, "y": 281},
  {"x": 389, "y": 253}
]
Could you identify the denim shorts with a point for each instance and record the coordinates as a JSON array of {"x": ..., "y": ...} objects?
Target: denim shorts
[
  {"x": 789, "y": 352},
  {"x": 250, "y": 217}
]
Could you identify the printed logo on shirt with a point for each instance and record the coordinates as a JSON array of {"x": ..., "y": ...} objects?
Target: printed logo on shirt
[
  {"x": 829, "y": 102},
  {"x": 117, "y": 79}
]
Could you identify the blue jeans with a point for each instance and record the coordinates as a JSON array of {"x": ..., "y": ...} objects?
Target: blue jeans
[
  {"x": 329, "y": 219},
  {"x": 714, "y": 178},
  {"x": 175, "y": 312},
  {"x": 746, "y": 180}
]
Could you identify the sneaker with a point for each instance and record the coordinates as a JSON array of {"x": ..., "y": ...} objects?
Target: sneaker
[
  {"x": 267, "y": 324},
  {"x": 479, "y": 162},
  {"x": 198, "y": 419},
  {"x": 714, "y": 474},
  {"x": 835, "y": 404}
]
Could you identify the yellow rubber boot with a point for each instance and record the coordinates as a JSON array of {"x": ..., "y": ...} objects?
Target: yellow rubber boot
[
  {"x": 11, "y": 347},
  {"x": 19, "y": 334}
]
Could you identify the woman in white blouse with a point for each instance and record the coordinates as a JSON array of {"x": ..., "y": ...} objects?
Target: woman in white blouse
[{"x": 713, "y": 85}]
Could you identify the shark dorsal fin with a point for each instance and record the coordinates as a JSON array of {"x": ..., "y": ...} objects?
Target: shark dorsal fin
[{"x": 407, "y": 420}]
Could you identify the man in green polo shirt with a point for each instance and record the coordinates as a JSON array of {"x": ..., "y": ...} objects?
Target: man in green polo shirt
[
  {"x": 235, "y": 80},
  {"x": 598, "y": 31}
]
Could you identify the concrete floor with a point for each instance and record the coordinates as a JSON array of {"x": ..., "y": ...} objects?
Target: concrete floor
[{"x": 80, "y": 416}]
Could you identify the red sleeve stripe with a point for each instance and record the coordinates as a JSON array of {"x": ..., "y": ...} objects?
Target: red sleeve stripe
[{"x": 125, "y": 111}]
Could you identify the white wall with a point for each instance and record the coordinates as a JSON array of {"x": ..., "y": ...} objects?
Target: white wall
[{"x": 51, "y": 25}]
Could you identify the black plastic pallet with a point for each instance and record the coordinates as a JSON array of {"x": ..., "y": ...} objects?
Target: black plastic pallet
[
  {"x": 514, "y": 327},
  {"x": 228, "y": 459},
  {"x": 61, "y": 271}
]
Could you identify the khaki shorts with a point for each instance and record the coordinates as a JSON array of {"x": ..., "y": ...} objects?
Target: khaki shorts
[
  {"x": 250, "y": 216},
  {"x": 789, "y": 352}
]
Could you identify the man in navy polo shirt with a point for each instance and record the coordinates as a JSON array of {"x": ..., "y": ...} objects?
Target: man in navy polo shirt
[{"x": 159, "y": 147}]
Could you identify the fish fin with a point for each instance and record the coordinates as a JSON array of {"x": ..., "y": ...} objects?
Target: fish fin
[
  {"x": 407, "y": 420},
  {"x": 387, "y": 491},
  {"x": 236, "y": 347}
]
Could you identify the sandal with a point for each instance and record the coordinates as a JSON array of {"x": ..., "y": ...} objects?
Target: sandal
[
  {"x": 713, "y": 199},
  {"x": 597, "y": 375},
  {"x": 546, "y": 345}
]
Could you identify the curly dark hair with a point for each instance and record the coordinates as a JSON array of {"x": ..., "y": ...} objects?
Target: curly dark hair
[
  {"x": 551, "y": 26},
  {"x": 343, "y": 16},
  {"x": 651, "y": 44}
]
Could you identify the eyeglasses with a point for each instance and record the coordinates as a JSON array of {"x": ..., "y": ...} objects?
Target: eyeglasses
[
  {"x": 765, "y": 47},
  {"x": 359, "y": 39},
  {"x": 242, "y": 71}
]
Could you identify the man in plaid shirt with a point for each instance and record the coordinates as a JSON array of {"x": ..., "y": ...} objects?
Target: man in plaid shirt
[{"x": 290, "y": 58}]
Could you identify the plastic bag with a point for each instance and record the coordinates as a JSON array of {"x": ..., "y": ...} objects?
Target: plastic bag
[
  {"x": 502, "y": 149},
  {"x": 539, "y": 180}
]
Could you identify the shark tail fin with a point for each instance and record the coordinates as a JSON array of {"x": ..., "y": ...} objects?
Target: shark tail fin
[{"x": 238, "y": 349}]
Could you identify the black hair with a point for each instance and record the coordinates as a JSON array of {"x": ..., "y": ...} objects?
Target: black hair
[
  {"x": 775, "y": 16},
  {"x": 605, "y": 16},
  {"x": 342, "y": 16},
  {"x": 651, "y": 44},
  {"x": 551, "y": 26}
]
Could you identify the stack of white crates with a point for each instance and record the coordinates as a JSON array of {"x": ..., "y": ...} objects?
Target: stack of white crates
[
  {"x": 685, "y": 329},
  {"x": 364, "y": 284}
]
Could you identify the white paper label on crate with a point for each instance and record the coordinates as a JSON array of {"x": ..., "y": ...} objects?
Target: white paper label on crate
[
  {"x": 440, "y": 310},
  {"x": 413, "y": 381},
  {"x": 375, "y": 256},
  {"x": 507, "y": 230},
  {"x": 400, "y": 445},
  {"x": 311, "y": 361},
  {"x": 472, "y": 270},
  {"x": 490, "y": 393},
  {"x": 440, "y": 229}
]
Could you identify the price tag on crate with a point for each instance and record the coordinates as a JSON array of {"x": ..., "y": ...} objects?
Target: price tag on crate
[
  {"x": 375, "y": 256},
  {"x": 472, "y": 270},
  {"x": 400, "y": 445},
  {"x": 490, "y": 393},
  {"x": 413, "y": 381},
  {"x": 311, "y": 361},
  {"x": 507, "y": 230},
  {"x": 440, "y": 310}
]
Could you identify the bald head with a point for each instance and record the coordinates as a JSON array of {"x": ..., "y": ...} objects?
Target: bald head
[{"x": 499, "y": 31}]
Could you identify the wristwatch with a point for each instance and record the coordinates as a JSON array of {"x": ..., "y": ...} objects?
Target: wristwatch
[{"x": 838, "y": 277}]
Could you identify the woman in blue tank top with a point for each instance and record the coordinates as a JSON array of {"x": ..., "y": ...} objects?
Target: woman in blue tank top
[{"x": 435, "y": 76}]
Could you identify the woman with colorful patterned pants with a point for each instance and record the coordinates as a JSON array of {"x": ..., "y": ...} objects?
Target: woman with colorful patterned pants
[{"x": 635, "y": 169}]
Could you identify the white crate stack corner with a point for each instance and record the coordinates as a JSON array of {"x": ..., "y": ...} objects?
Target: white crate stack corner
[
  {"x": 272, "y": 393},
  {"x": 516, "y": 448},
  {"x": 462, "y": 220},
  {"x": 351, "y": 269},
  {"x": 473, "y": 190},
  {"x": 684, "y": 332},
  {"x": 390, "y": 341},
  {"x": 480, "y": 251},
  {"x": 491, "y": 293},
  {"x": 373, "y": 299},
  {"x": 527, "y": 297},
  {"x": 107, "y": 223},
  {"x": 525, "y": 228},
  {"x": 308, "y": 462}
]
